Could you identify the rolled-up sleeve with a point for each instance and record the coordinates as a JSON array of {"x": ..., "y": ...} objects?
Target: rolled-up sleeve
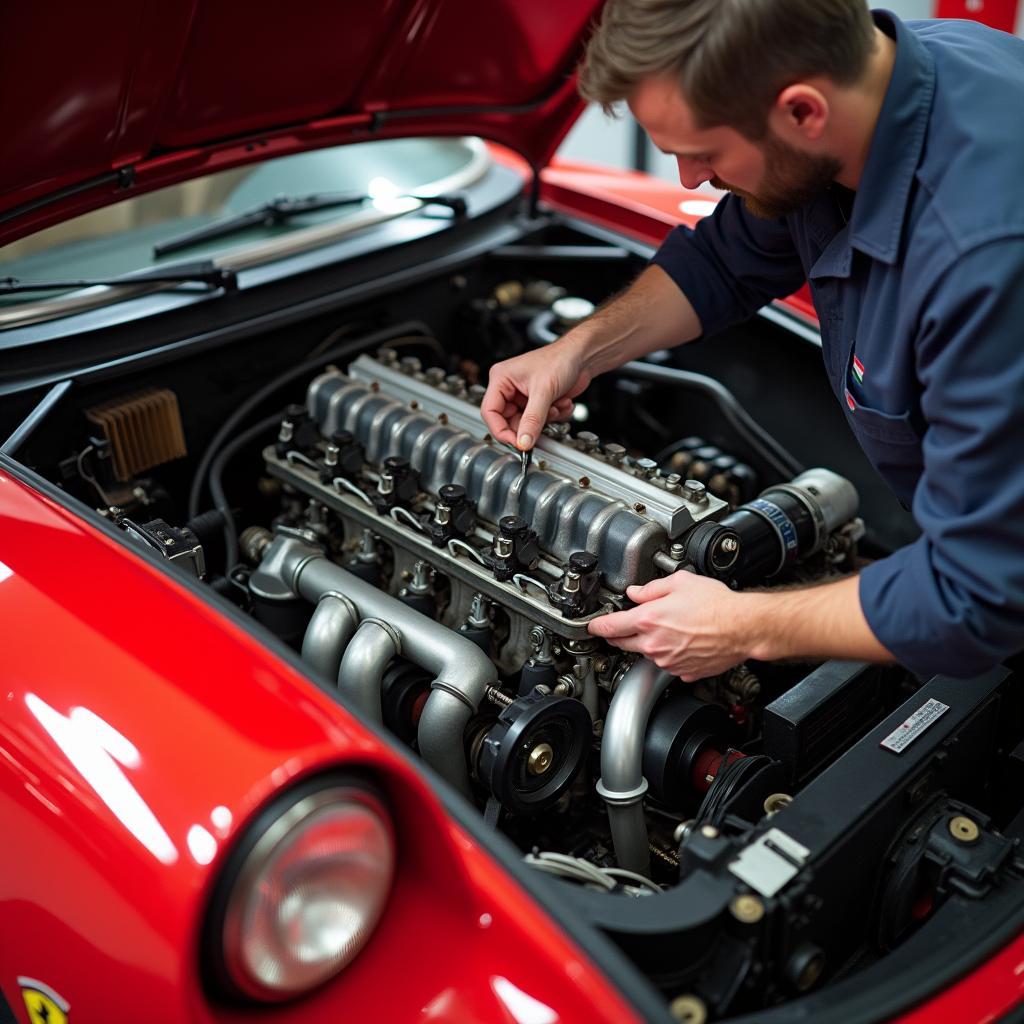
[
  {"x": 953, "y": 601},
  {"x": 731, "y": 264}
]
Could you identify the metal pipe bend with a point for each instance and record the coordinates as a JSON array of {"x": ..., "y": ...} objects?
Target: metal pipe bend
[
  {"x": 328, "y": 633},
  {"x": 622, "y": 784},
  {"x": 457, "y": 664},
  {"x": 361, "y": 674}
]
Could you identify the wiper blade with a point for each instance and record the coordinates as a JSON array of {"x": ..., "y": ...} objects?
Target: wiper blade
[
  {"x": 203, "y": 272},
  {"x": 279, "y": 210}
]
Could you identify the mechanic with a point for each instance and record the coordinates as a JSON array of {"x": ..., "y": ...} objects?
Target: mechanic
[{"x": 882, "y": 162}]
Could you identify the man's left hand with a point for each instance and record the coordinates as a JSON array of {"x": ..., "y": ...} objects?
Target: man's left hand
[{"x": 689, "y": 625}]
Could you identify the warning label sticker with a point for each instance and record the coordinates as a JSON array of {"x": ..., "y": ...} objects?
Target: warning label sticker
[{"x": 927, "y": 714}]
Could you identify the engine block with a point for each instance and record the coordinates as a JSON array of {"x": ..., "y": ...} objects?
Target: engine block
[{"x": 577, "y": 497}]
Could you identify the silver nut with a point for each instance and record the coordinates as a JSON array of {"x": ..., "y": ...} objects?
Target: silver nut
[{"x": 695, "y": 491}]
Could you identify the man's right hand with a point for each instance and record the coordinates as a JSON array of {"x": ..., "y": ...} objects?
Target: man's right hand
[
  {"x": 526, "y": 392},
  {"x": 530, "y": 390}
]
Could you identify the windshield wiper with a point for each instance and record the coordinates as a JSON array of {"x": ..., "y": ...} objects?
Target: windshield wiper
[
  {"x": 283, "y": 208},
  {"x": 203, "y": 272}
]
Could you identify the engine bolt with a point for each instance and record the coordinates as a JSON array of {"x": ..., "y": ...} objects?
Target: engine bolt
[
  {"x": 253, "y": 542},
  {"x": 730, "y": 545},
  {"x": 614, "y": 453},
  {"x": 964, "y": 829},
  {"x": 435, "y": 375},
  {"x": 672, "y": 481},
  {"x": 410, "y": 365},
  {"x": 648, "y": 468},
  {"x": 497, "y": 697},
  {"x": 587, "y": 441},
  {"x": 688, "y": 1010},
  {"x": 476, "y": 393},
  {"x": 682, "y": 830},
  {"x": 746, "y": 909},
  {"x": 540, "y": 759},
  {"x": 695, "y": 491},
  {"x": 776, "y": 802},
  {"x": 677, "y": 551}
]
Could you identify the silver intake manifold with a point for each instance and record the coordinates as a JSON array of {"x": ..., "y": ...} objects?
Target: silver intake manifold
[{"x": 577, "y": 495}]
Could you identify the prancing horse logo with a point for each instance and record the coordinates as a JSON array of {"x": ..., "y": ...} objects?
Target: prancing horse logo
[{"x": 44, "y": 1005}]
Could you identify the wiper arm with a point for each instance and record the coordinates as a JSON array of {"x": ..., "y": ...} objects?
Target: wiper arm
[
  {"x": 279, "y": 210},
  {"x": 203, "y": 272}
]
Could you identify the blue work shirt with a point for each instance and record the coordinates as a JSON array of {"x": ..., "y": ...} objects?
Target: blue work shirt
[{"x": 921, "y": 303}]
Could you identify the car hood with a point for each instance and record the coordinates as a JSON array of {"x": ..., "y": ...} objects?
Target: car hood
[{"x": 131, "y": 98}]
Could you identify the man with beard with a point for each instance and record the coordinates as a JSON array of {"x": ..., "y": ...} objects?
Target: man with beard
[{"x": 881, "y": 161}]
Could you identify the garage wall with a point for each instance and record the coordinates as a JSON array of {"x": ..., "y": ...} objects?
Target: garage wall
[{"x": 598, "y": 139}]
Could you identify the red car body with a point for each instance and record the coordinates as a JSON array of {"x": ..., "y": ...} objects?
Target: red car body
[{"x": 139, "y": 737}]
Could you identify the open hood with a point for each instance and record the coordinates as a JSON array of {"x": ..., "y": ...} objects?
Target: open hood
[{"x": 102, "y": 98}]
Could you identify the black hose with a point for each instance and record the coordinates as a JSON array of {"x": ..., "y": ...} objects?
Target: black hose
[
  {"x": 220, "y": 501},
  {"x": 762, "y": 443},
  {"x": 308, "y": 366}
]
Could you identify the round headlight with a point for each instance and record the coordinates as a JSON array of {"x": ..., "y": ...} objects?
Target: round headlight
[{"x": 308, "y": 894}]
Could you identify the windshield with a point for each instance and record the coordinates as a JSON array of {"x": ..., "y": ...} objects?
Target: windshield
[{"x": 120, "y": 239}]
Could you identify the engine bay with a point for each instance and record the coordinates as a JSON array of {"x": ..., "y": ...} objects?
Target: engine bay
[{"x": 744, "y": 839}]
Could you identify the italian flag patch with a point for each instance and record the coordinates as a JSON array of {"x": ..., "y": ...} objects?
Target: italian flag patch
[
  {"x": 849, "y": 400},
  {"x": 858, "y": 370}
]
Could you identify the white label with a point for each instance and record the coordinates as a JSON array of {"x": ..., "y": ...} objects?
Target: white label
[
  {"x": 927, "y": 714},
  {"x": 771, "y": 862}
]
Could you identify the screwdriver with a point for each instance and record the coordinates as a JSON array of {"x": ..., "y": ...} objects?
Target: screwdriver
[{"x": 526, "y": 457}]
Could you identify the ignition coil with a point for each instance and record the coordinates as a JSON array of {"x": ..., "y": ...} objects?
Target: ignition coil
[
  {"x": 516, "y": 549},
  {"x": 298, "y": 432},
  {"x": 576, "y": 594},
  {"x": 397, "y": 487},
  {"x": 454, "y": 516},
  {"x": 343, "y": 457}
]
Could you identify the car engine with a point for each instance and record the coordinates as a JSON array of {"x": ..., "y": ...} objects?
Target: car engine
[
  {"x": 744, "y": 838},
  {"x": 448, "y": 579},
  {"x": 447, "y": 590}
]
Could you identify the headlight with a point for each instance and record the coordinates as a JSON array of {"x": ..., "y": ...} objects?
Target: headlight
[{"x": 307, "y": 894}]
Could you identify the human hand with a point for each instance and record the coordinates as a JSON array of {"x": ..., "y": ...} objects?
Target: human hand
[
  {"x": 530, "y": 390},
  {"x": 689, "y": 625}
]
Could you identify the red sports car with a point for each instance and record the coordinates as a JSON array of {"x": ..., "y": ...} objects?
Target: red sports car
[{"x": 301, "y": 716}]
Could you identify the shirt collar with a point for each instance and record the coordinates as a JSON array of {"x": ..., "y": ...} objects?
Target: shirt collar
[{"x": 884, "y": 190}]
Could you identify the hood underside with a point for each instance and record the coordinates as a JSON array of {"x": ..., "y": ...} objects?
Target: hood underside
[{"x": 101, "y": 97}]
